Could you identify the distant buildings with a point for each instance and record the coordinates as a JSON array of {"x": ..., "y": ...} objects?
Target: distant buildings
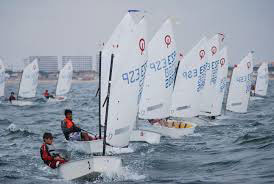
[
  {"x": 79, "y": 63},
  {"x": 47, "y": 64}
]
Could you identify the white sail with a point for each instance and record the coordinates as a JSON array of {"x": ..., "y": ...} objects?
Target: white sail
[
  {"x": 221, "y": 81},
  {"x": 207, "y": 95},
  {"x": 2, "y": 78},
  {"x": 64, "y": 79},
  {"x": 190, "y": 81},
  {"x": 29, "y": 80},
  {"x": 113, "y": 46},
  {"x": 159, "y": 81},
  {"x": 240, "y": 85},
  {"x": 129, "y": 67},
  {"x": 262, "y": 80}
]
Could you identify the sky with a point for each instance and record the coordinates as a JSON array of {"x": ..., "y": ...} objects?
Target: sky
[{"x": 77, "y": 27}]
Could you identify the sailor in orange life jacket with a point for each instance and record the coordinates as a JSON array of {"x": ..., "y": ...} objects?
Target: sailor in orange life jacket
[
  {"x": 47, "y": 95},
  {"x": 51, "y": 159},
  {"x": 73, "y": 132}
]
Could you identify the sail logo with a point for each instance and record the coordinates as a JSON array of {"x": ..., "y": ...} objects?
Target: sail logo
[
  {"x": 222, "y": 62},
  {"x": 142, "y": 45},
  {"x": 213, "y": 50},
  {"x": 223, "y": 85},
  {"x": 202, "y": 54},
  {"x": 167, "y": 40}
]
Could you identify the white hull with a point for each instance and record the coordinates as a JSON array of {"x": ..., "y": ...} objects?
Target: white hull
[
  {"x": 21, "y": 103},
  {"x": 145, "y": 136},
  {"x": 95, "y": 147},
  {"x": 101, "y": 164},
  {"x": 171, "y": 132},
  {"x": 57, "y": 99}
]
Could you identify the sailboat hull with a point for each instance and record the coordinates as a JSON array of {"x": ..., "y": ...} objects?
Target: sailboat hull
[
  {"x": 96, "y": 147},
  {"x": 95, "y": 165},
  {"x": 171, "y": 132},
  {"x": 145, "y": 136},
  {"x": 57, "y": 99}
]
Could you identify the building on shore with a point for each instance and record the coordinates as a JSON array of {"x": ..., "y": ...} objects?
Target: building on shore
[
  {"x": 47, "y": 64},
  {"x": 79, "y": 63}
]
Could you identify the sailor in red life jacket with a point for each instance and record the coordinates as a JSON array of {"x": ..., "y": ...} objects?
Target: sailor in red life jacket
[
  {"x": 47, "y": 95},
  {"x": 51, "y": 159},
  {"x": 73, "y": 132}
]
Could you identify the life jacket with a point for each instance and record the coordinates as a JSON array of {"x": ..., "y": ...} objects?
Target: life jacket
[
  {"x": 46, "y": 94},
  {"x": 68, "y": 127},
  {"x": 45, "y": 154},
  {"x": 12, "y": 98}
]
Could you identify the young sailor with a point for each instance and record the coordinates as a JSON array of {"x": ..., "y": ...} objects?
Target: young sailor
[
  {"x": 73, "y": 132},
  {"x": 53, "y": 160},
  {"x": 47, "y": 95},
  {"x": 12, "y": 97}
]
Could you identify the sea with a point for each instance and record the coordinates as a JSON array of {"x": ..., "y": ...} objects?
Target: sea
[{"x": 235, "y": 148}]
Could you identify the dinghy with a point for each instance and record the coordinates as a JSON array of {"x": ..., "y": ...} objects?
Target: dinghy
[
  {"x": 262, "y": 80},
  {"x": 63, "y": 84},
  {"x": 221, "y": 83},
  {"x": 240, "y": 86},
  {"x": 208, "y": 94},
  {"x": 118, "y": 124},
  {"x": 2, "y": 79},
  {"x": 28, "y": 84},
  {"x": 159, "y": 81}
]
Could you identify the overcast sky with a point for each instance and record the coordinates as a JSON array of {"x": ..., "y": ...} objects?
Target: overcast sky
[{"x": 77, "y": 27}]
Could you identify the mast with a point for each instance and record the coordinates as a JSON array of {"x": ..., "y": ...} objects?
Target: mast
[
  {"x": 107, "y": 104},
  {"x": 99, "y": 90},
  {"x": 57, "y": 83}
]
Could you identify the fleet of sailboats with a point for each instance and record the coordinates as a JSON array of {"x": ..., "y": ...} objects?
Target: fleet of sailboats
[{"x": 142, "y": 80}]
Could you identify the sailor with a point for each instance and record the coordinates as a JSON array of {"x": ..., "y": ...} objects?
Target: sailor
[
  {"x": 53, "y": 160},
  {"x": 12, "y": 97},
  {"x": 47, "y": 95},
  {"x": 73, "y": 132}
]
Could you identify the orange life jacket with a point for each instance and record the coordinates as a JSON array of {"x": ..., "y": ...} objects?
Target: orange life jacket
[{"x": 69, "y": 123}]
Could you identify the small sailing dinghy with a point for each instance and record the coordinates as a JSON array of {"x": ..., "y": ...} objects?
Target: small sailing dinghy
[
  {"x": 28, "y": 84},
  {"x": 208, "y": 94},
  {"x": 159, "y": 81},
  {"x": 262, "y": 81},
  {"x": 2, "y": 79},
  {"x": 240, "y": 86},
  {"x": 118, "y": 125},
  {"x": 63, "y": 83}
]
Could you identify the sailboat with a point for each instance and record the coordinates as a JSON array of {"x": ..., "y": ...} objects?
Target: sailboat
[
  {"x": 221, "y": 82},
  {"x": 212, "y": 72},
  {"x": 120, "y": 110},
  {"x": 240, "y": 85},
  {"x": 63, "y": 83},
  {"x": 262, "y": 80},
  {"x": 28, "y": 84},
  {"x": 2, "y": 79}
]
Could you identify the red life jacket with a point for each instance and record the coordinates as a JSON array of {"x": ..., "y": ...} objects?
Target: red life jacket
[
  {"x": 69, "y": 123},
  {"x": 46, "y": 94},
  {"x": 45, "y": 154}
]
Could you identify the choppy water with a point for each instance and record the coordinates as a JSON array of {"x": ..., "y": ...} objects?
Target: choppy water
[{"x": 239, "y": 148}]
